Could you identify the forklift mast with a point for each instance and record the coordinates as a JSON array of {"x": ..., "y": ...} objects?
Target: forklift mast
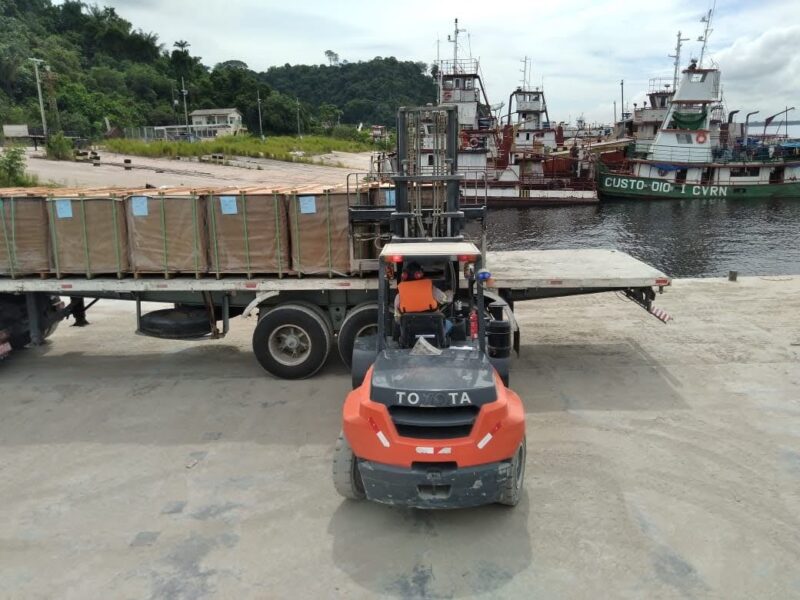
[{"x": 427, "y": 183}]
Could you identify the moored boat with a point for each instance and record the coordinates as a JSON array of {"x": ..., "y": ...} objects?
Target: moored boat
[{"x": 697, "y": 153}]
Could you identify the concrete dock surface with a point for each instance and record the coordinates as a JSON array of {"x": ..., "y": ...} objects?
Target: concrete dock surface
[{"x": 663, "y": 462}]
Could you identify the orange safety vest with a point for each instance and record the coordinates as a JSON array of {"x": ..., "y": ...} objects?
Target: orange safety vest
[{"x": 416, "y": 296}]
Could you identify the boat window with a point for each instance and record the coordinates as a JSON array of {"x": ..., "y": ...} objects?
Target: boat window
[
  {"x": 684, "y": 138},
  {"x": 745, "y": 171},
  {"x": 697, "y": 77},
  {"x": 430, "y": 160},
  {"x": 680, "y": 175},
  {"x": 527, "y": 136},
  {"x": 458, "y": 84},
  {"x": 468, "y": 84}
]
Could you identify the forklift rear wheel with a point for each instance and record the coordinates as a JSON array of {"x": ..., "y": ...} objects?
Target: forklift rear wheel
[
  {"x": 362, "y": 320},
  {"x": 512, "y": 489},
  {"x": 346, "y": 477},
  {"x": 291, "y": 341}
]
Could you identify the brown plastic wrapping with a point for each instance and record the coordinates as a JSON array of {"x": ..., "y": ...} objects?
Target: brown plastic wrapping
[
  {"x": 319, "y": 230},
  {"x": 248, "y": 232},
  {"x": 167, "y": 232},
  {"x": 24, "y": 246},
  {"x": 88, "y": 233}
]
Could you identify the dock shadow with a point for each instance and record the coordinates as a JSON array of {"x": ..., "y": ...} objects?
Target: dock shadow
[
  {"x": 410, "y": 553},
  {"x": 622, "y": 376}
]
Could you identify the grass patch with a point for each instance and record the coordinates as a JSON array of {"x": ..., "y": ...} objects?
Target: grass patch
[
  {"x": 12, "y": 169},
  {"x": 274, "y": 147}
]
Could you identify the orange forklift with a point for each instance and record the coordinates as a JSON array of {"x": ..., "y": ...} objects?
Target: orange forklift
[{"x": 430, "y": 422}]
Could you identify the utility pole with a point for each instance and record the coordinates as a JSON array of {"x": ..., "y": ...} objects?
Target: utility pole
[
  {"x": 298, "y": 116},
  {"x": 615, "y": 113},
  {"x": 185, "y": 110},
  {"x": 260, "y": 124},
  {"x": 622, "y": 102},
  {"x": 36, "y": 63},
  {"x": 677, "y": 57}
]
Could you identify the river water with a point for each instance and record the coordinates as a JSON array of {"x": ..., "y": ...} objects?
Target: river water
[{"x": 683, "y": 238}]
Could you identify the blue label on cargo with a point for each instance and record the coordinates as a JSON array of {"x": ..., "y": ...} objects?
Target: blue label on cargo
[
  {"x": 390, "y": 197},
  {"x": 227, "y": 204},
  {"x": 308, "y": 205},
  {"x": 64, "y": 208},
  {"x": 139, "y": 206}
]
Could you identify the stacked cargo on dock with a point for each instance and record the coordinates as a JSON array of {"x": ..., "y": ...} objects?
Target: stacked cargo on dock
[
  {"x": 24, "y": 244},
  {"x": 167, "y": 232},
  {"x": 248, "y": 232},
  {"x": 88, "y": 233}
]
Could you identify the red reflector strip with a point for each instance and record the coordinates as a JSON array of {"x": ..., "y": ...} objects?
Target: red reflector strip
[
  {"x": 556, "y": 282},
  {"x": 66, "y": 286},
  {"x": 251, "y": 285},
  {"x": 662, "y": 281}
]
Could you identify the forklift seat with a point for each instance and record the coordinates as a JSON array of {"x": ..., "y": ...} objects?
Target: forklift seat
[{"x": 429, "y": 325}]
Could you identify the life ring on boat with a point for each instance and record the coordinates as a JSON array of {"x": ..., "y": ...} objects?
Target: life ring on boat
[
  {"x": 447, "y": 96},
  {"x": 701, "y": 137},
  {"x": 473, "y": 142}
]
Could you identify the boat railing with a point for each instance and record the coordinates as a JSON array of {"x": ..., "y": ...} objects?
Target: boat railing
[
  {"x": 761, "y": 154},
  {"x": 551, "y": 182}
]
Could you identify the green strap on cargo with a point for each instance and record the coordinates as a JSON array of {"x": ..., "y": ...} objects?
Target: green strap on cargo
[
  {"x": 196, "y": 235},
  {"x": 164, "y": 232},
  {"x": 214, "y": 235},
  {"x": 330, "y": 249},
  {"x": 54, "y": 233},
  {"x": 115, "y": 229},
  {"x": 10, "y": 246},
  {"x": 85, "y": 232},
  {"x": 296, "y": 238},
  {"x": 278, "y": 234},
  {"x": 246, "y": 238}
]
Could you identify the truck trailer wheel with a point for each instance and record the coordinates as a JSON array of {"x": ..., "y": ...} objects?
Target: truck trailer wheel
[
  {"x": 292, "y": 341},
  {"x": 512, "y": 490},
  {"x": 14, "y": 318},
  {"x": 362, "y": 320},
  {"x": 346, "y": 477}
]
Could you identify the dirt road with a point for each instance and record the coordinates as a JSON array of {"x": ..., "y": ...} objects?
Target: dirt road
[{"x": 171, "y": 172}]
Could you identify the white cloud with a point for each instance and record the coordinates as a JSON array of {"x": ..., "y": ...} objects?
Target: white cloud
[{"x": 580, "y": 49}]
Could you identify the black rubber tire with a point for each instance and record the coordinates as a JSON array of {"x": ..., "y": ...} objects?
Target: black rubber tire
[
  {"x": 359, "y": 318},
  {"x": 346, "y": 476},
  {"x": 14, "y": 319},
  {"x": 173, "y": 323},
  {"x": 310, "y": 323},
  {"x": 512, "y": 489}
]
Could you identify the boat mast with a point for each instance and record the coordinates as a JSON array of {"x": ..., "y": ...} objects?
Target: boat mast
[
  {"x": 524, "y": 71},
  {"x": 454, "y": 40},
  {"x": 704, "y": 38},
  {"x": 677, "y": 57}
]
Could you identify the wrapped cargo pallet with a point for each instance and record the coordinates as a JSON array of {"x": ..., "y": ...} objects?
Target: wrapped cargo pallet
[
  {"x": 319, "y": 229},
  {"x": 248, "y": 232},
  {"x": 167, "y": 232},
  {"x": 24, "y": 245},
  {"x": 88, "y": 233}
]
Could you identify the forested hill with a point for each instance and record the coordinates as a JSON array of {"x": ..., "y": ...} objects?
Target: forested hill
[{"x": 97, "y": 65}]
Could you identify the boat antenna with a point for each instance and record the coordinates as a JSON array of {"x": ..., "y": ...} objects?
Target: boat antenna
[
  {"x": 454, "y": 40},
  {"x": 524, "y": 71},
  {"x": 706, "y": 33},
  {"x": 677, "y": 57}
]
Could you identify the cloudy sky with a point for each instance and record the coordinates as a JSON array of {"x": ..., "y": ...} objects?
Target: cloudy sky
[{"x": 581, "y": 49}]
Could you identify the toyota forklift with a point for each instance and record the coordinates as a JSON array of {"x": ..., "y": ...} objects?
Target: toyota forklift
[{"x": 431, "y": 422}]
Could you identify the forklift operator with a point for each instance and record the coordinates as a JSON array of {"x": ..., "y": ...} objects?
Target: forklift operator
[{"x": 416, "y": 293}]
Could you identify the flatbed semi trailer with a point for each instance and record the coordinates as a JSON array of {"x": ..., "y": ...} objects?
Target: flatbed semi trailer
[{"x": 299, "y": 319}]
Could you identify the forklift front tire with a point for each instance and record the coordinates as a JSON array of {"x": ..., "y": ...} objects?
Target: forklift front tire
[
  {"x": 512, "y": 489},
  {"x": 346, "y": 477}
]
